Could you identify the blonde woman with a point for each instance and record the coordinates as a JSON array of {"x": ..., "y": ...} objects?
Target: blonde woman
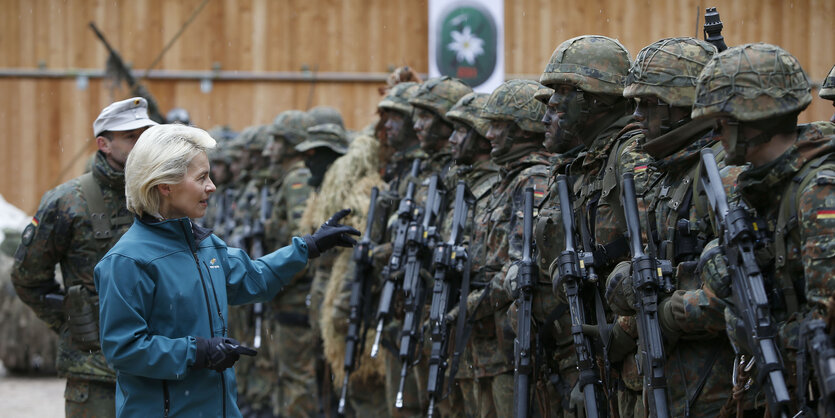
[{"x": 164, "y": 287}]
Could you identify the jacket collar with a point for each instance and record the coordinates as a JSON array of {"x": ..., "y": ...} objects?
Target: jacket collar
[
  {"x": 177, "y": 229},
  {"x": 107, "y": 175}
]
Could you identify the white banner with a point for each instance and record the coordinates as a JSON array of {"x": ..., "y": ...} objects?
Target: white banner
[{"x": 466, "y": 41}]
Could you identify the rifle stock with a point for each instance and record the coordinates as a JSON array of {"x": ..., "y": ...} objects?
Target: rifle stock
[
  {"x": 407, "y": 214},
  {"x": 528, "y": 271},
  {"x": 450, "y": 260},
  {"x": 575, "y": 269},
  {"x": 649, "y": 277},
  {"x": 736, "y": 238},
  {"x": 360, "y": 290},
  {"x": 420, "y": 242}
]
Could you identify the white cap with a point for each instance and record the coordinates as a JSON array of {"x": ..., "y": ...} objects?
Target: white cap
[{"x": 125, "y": 115}]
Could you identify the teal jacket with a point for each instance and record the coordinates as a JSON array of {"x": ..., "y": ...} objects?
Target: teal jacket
[{"x": 162, "y": 285}]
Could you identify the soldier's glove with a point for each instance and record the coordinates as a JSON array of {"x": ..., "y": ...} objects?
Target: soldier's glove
[
  {"x": 713, "y": 271},
  {"x": 620, "y": 294},
  {"x": 331, "y": 234},
  {"x": 219, "y": 353}
]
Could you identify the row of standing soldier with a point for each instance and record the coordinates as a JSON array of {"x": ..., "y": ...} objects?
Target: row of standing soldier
[{"x": 656, "y": 293}]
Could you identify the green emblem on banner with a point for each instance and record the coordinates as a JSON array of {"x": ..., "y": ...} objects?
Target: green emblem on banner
[{"x": 467, "y": 43}]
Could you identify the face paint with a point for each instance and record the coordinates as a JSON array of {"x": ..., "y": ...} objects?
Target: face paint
[
  {"x": 569, "y": 106},
  {"x": 499, "y": 136}
]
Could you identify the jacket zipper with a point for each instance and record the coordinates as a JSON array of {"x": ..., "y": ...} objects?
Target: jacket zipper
[
  {"x": 211, "y": 325},
  {"x": 166, "y": 400},
  {"x": 214, "y": 295}
]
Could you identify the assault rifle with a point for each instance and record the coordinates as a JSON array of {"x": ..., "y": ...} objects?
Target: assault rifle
[
  {"x": 452, "y": 266},
  {"x": 713, "y": 29},
  {"x": 257, "y": 251},
  {"x": 750, "y": 303},
  {"x": 420, "y": 242},
  {"x": 819, "y": 345},
  {"x": 650, "y": 276},
  {"x": 115, "y": 63},
  {"x": 528, "y": 272},
  {"x": 359, "y": 307},
  {"x": 407, "y": 214},
  {"x": 576, "y": 271}
]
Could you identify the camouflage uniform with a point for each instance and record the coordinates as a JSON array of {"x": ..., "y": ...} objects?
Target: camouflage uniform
[
  {"x": 827, "y": 90},
  {"x": 595, "y": 67},
  {"x": 293, "y": 340},
  {"x": 763, "y": 86},
  {"x": 486, "y": 379},
  {"x": 692, "y": 318},
  {"x": 63, "y": 231}
]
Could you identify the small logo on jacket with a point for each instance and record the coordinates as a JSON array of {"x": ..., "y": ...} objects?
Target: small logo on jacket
[{"x": 212, "y": 264}]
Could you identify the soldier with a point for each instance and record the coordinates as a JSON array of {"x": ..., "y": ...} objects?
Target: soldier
[
  {"x": 515, "y": 134},
  {"x": 827, "y": 90},
  {"x": 288, "y": 312},
  {"x": 75, "y": 225},
  {"x": 663, "y": 82},
  {"x": 473, "y": 165},
  {"x": 755, "y": 92}
]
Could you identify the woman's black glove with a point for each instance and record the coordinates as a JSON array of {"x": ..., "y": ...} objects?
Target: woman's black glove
[
  {"x": 330, "y": 234},
  {"x": 219, "y": 353}
]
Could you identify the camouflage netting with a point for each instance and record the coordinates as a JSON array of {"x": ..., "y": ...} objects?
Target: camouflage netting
[
  {"x": 668, "y": 69},
  {"x": 592, "y": 63},
  {"x": 514, "y": 101},
  {"x": 752, "y": 82},
  {"x": 828, "y": 87},
  {"x": 468, "y": 112},
  {"x": 440, "y": 94}
]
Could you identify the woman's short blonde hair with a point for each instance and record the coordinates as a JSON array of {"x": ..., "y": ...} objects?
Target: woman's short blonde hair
[{"x": 161, "y": 155}]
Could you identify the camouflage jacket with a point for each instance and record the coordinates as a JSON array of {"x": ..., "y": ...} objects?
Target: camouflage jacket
[
  {"x": 289, "y": 202},
  {"x": 796, "y": 196},
  {"x": 61, "y": 232},
  {"x": 692, "y": 319},
  {"x": 596, "y": 177},
  {"x": 496, "y": 243}
]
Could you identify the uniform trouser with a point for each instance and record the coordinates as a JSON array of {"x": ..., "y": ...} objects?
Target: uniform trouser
[
  {"x": 295, "y": 346},
  {"x": 89, "y": 399},
  {"x": 488, "y": 397},
  {"x": 366, "y": 400},
  {"x": 446, "y": 406}
]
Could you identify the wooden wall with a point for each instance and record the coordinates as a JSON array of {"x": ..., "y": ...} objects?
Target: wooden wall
[{"x": 46, "y": 122}]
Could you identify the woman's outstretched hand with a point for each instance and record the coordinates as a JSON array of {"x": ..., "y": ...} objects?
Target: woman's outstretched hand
[{"x": 331, "y": 234}]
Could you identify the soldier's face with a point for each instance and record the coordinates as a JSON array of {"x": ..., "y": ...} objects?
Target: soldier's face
[
  {"x": 498, "y": 134},
  {"x": 656, "y": 117},
  {"x": 220, "y": 172},
  {"x": 458, "y": 139},
  {"x": 116, "y": 150},
  {"x": 190, "y": 197},
  {"x": 393, "y": 126}
]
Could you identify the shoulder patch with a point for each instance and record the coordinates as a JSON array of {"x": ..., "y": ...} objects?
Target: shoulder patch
[{"x": 822, "y": 214}]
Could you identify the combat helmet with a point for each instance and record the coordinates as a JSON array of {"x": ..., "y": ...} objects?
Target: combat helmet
[
  {"x": 329, "y": 135},
  {"x": 514, "y": 101},
  {"x": 752, "y": 82},
  {"x": 440, "y": 94},
  {"x": 292, "y": 126},
  {"x": 828, "y": 87},
  {"x": 468, "y": 111},
  {"x": 592, "y": 63},
  {"x": 398, "y": 97},
  {"x": 261, "y": 138},
  {"x": 326, "y": 114},
  {"x": 668, "y": 69},
  {"x": 544, "y": 95}
]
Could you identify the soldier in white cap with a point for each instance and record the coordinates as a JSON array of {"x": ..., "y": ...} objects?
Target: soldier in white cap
[{"x": 75, "y": 225}]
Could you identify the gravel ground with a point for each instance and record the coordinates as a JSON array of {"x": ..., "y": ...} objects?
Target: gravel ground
[{"x": 27, "y": 396}]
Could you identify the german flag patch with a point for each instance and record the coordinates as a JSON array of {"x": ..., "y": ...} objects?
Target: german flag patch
[
  {"x": 537, "y": 194},
  {"x": 826, "y": 214},
  {"x": 296, "y": 186},
  {"x": 640, "y": 168}
]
